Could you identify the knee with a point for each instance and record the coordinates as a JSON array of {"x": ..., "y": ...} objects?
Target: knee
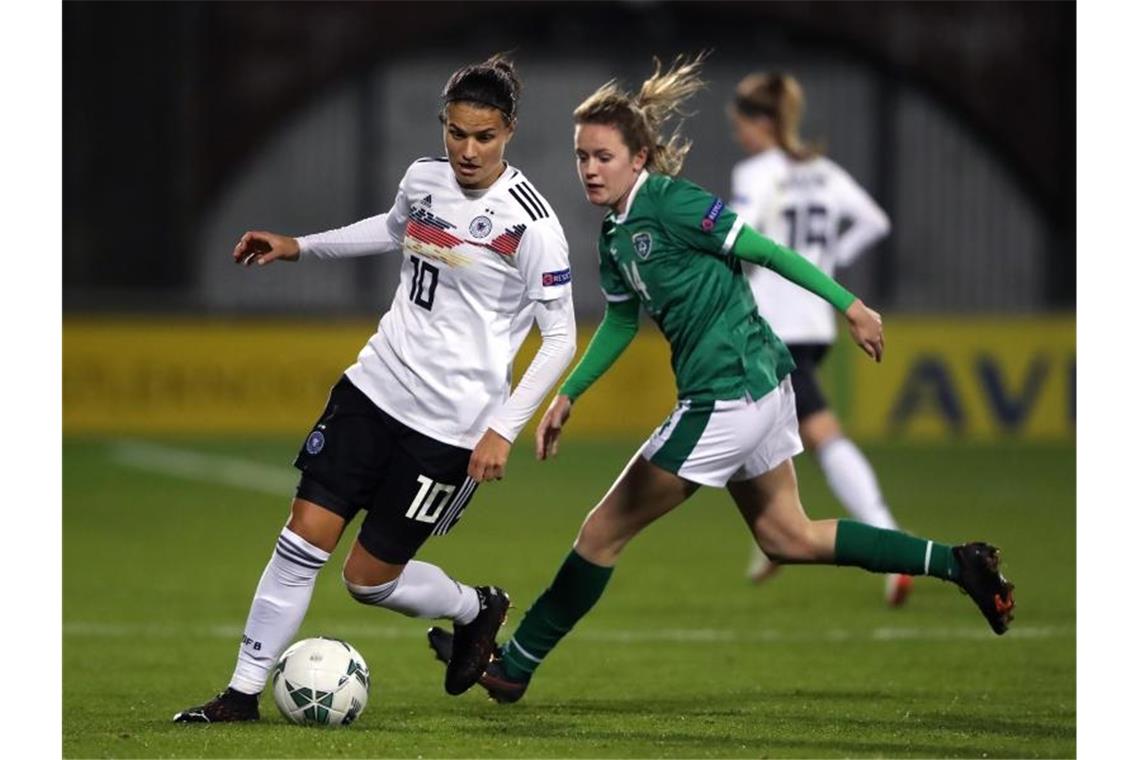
[
  {"x": 362, "y": 568},
  {"x": 352, "y": 578},
  {"x": 319, "y": 526},
  {"x": 353, "y": 583},
  {"x": 365, "y": 593}
]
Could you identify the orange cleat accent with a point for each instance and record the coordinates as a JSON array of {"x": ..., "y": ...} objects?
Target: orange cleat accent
[
  {"x": 898, "y": 589},
  {"x": 1004, "y": 607}
]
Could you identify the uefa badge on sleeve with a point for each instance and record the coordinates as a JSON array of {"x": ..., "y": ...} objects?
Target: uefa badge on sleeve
[
  {"x": 550, "y": 279},
  {"x": 315, "y": 442},
  {"x": 643, "y": 244},
  {"x": 708, "y": 222}
]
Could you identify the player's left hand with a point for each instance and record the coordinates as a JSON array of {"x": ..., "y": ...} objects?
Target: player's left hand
[
  {"x": 549, "y": 430},
  {"x": 866, "y": 329},
  {"x": 489, "y": 458}
]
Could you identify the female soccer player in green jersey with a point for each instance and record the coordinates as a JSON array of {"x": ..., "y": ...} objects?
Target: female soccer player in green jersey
[{"x": 669, "y": 246}]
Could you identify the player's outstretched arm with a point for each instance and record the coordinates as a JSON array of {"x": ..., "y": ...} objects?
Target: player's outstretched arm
[
  {"x": 613, "y": 335},
  {"x": 261, "y": 248},
  {"x": 866, "y": 325}
]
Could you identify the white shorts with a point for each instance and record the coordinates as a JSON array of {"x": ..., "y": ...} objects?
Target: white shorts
[{"x": 713, "y": 442}]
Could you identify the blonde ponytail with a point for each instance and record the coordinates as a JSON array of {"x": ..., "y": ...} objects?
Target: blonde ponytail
[
  {"x": 780, "y": 98},
  {"x": 641, "y": 118}
]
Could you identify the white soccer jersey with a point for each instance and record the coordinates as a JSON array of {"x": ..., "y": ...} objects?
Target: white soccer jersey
[
  {"x": 804, "y": 206},
  {"x": 475, "y": 264}
]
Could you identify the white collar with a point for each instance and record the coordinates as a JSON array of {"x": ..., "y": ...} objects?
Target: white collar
[
  {"x": 620, "y": 218},
  {"x": 471, "y": 195}
]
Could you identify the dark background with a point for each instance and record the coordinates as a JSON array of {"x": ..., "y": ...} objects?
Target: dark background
[{"x": 166, "y": 105}]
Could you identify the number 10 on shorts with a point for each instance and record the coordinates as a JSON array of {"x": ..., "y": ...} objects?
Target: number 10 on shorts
[{"x": 430, "y": 500}]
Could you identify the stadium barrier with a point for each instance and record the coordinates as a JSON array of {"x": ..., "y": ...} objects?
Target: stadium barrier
[{"x": 969, "y": 378}]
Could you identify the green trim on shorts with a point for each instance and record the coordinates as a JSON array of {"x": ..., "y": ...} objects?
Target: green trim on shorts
[{"x": 683, "y": 437}]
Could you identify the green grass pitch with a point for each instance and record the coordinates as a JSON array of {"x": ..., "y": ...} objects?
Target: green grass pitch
[{"x": 164, "y": 543}]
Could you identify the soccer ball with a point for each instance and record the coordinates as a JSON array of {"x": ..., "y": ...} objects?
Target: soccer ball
[{"x": 321, "y": 681}]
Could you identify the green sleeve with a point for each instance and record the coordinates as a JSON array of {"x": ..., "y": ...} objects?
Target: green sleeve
[
  {"x": 697, "y": 219},
  {"x": 752, "y": 246},
  {"x": 617, "y": 329}
]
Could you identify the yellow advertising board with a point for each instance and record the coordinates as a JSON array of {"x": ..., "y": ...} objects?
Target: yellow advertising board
[
  {"x": 981, "y": 379},
  {"x": 969, "y": 378},
  {"x": 267, "y": 377}
]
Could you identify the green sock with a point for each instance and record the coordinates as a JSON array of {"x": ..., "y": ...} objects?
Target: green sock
[
  {"x": 891, "y": 551},
  {"x": 577, "y": 586}
]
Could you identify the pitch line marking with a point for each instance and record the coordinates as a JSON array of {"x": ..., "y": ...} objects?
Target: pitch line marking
[
  {"x": 92, "y": 629},
  {"x": 206, "y": 468}
]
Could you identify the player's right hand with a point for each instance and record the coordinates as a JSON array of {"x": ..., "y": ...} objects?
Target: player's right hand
[
  {"x": 546, "y": 437},
  {"x": 261, "y": 248}
]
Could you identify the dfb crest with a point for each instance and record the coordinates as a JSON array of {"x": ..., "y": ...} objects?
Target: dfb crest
[{"x": 480, "y": 227}]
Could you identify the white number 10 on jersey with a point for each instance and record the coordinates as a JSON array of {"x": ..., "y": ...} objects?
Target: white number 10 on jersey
[{"x": 430, "y": 500}]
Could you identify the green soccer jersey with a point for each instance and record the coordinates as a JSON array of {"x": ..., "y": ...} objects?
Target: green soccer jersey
[{"x": 672, "y": 249}]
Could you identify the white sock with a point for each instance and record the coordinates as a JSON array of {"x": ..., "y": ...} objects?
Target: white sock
[
  {"x": 853, "y": 482},
  {"x": 759, "y": 562},
  {"x": 422, "y": 591},
  {"x": 278, "y": 607}
]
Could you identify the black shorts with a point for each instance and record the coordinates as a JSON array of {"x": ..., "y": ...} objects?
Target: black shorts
[
  {"x": 809, "y": 396},
  {"x": 358, "y": 457}
]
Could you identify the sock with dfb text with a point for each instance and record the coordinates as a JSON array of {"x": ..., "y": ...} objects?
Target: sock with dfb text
[{"x": 278, "y": 607}]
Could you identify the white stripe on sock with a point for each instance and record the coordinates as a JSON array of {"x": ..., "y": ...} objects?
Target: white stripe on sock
[
  {"x": 926, "y": 565},
  {"x": 523, "y": 652}
]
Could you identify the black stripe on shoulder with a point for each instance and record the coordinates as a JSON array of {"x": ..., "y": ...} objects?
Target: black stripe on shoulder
[
  {"x": 516, "y": 173},
  {"x": 430, "y": 158},
  {"x": 526, "y": 206},
  {"x": 533, "y": 197}
]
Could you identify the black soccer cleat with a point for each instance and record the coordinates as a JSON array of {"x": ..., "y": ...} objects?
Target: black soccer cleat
[
  {"x": 228, "y": 707},
  {"x": 440, "y": 642},
  {"x": 980, "y": 577},
  {"x": 500, "y": 688},
  {"x": 474, "y": 643}
]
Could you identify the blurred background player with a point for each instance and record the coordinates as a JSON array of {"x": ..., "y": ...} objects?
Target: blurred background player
[
  {"x": 807, "y": 202},
  {"x": 670, "y": 246},
  {"x": 423, "y": 416}
]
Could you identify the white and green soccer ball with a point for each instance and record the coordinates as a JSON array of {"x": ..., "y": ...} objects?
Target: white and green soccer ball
[{"x": 321, "y": 682}]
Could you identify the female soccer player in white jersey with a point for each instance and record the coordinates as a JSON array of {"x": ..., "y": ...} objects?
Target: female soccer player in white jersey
[
  {"x": 673, "y": 248},
  {"x": 803, "y": 200},
  {"x": 426, "y": 413}
]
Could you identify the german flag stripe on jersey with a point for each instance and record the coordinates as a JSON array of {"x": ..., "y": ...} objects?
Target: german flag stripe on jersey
[
  {"x": 429, "y": 234},
  {"x": 508, "y": 242}
]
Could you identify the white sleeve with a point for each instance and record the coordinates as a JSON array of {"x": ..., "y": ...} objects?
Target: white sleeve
[
  {"x": 748, "y": 197},
  {"x": 544, "y": 261},
  {"x": 869, "y": 223},
  {"x": 555, "y": 320},
  {"x": 382, "y": 233}
]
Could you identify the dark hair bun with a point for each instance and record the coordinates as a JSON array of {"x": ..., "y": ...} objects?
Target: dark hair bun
[{"x": 493, "y": 83}]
